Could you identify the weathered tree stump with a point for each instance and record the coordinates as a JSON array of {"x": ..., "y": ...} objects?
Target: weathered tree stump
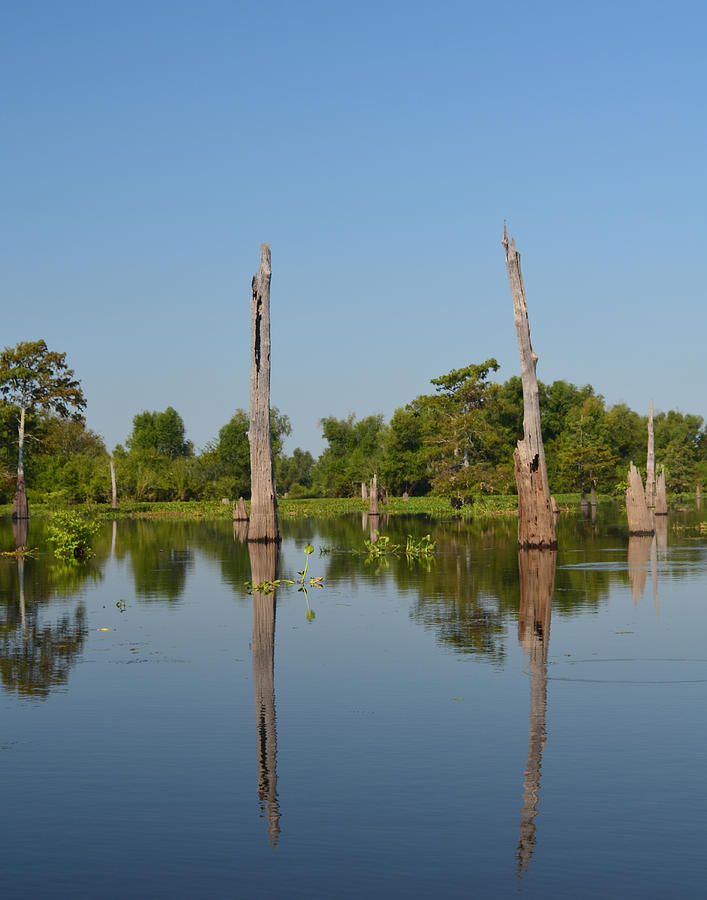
[
  {"x": 240, "y": 510},
  {"x": 661, "y": 497},
  {"x": 364, "y": 492},
  {"x": 264, "y": 518},
  {"x": 650, "y": 461},
  {"x": 373, "y": 501},
  {"x": 584, "y": 505},
  {"x": 593, "y": 496},
  {"x": 640, "y": 521},
  {"x": 536, "y": 522}
]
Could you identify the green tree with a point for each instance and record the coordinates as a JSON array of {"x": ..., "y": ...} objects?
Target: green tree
[
  {"x": 34, "y": 377},
  {"x": 353, "y": 455},
  {"x": 556, "y": 402},
  {"x": 162, "y": 432},
  {"x": 71, "y": 463},
  {"x": 680, "y": 447},
  {"x": 226, "y": 462},
  {"x": 584, "y": 455},
  {"x": 461, "y": 448},
  {"x": 405, "y": 463},
  {"x": 294, "y": 473}
]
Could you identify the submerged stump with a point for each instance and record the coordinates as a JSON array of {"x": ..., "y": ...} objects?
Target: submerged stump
[
  {"x": 640, "y": 521},
  {"x": 240, "y": 510}
]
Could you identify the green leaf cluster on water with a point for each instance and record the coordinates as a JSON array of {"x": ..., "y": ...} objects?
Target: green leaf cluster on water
[
  {"x": 71, "y": 531},
  {"x": 420, "y": 548}
]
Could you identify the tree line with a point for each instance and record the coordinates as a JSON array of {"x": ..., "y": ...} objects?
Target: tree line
[{"x": 457, "y": 440}]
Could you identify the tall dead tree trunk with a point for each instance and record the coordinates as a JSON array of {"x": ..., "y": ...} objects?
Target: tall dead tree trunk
[
  {"x": 640, "y": 521},
  {"x": 373, "y": 501},
  {"x": 20, "y": 509},
  {"x": 264, "y": 519},
  {"x": 650, "y": 462},
  {"x": 113, "y": 486},
  {"x": 661, "y": 496},
  {"x": 536, "y": 523}
]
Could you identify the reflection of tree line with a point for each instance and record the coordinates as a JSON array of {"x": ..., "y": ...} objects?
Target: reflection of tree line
[
  {"x": 36, "y": 654},
  {"x": 465, "y": 594}
]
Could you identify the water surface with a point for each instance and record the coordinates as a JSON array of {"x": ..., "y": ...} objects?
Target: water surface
[{"x": 476, "y": 725}]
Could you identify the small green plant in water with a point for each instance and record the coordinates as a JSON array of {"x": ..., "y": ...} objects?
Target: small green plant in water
[
  {"x": 309, "y": 549},
  {"x": 71, "y": 534},
  {"x": 425, "y": 547},
  {"x": 269, "y": 587},
  {"x": 382, "y": 546}
]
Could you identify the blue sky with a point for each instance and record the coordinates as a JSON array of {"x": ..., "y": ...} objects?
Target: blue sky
[{"x": 148, "y": 148}]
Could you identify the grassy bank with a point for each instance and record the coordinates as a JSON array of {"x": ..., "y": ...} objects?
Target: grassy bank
[{"x": 436, "y": 507}]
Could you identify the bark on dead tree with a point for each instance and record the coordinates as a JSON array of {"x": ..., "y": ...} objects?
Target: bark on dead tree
[
  {"x": 536, "y": 523},
  {"x": 20, "y": 509},
  {"x": 661, "y": 497},
  {"x": 113, "y": 486},
  {"x": 640, "y": 520},
  {"x": 264, "y": 518},
  {"x": 593, "y": 496},
  {"x": 373, "y": 501},
  {"x": 364, "y": 492},
  {"x": 650, "y": 462}
]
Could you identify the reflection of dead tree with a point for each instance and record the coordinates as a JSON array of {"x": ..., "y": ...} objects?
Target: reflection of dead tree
[
  {"x": 537, "y": 582},
  {"x": 639, "y": 551},
  {"x": 264, "y": 563},
  {"x": 20, "y": 532}
]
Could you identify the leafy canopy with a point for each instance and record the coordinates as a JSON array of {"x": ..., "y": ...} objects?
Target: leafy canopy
[{"x": 33, "y": 376}]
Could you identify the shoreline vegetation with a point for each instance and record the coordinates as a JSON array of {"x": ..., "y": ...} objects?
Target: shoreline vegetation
[{"x": 319, "y": 508}]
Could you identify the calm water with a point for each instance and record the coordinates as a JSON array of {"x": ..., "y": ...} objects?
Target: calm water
[{"x": 452, "y": 729}]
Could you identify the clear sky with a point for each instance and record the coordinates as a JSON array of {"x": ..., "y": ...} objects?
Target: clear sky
[{"x": 149, "y": 147}]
